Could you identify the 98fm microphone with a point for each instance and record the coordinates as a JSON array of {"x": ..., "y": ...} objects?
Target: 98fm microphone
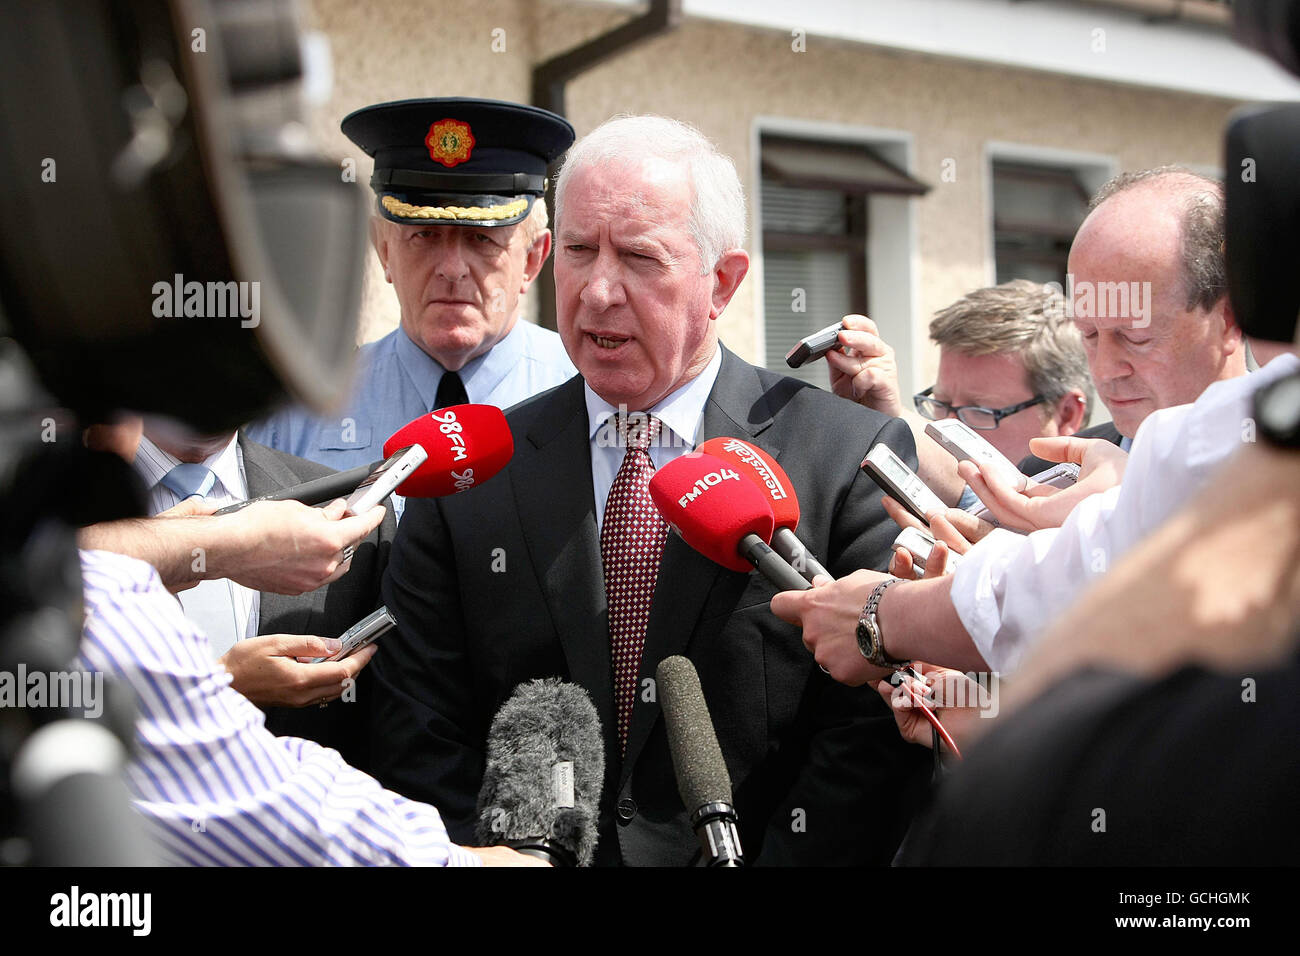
[{"x": 465, "y": 445}]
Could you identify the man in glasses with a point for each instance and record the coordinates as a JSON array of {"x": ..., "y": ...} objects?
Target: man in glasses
[{"x": 1011, "y": 366}]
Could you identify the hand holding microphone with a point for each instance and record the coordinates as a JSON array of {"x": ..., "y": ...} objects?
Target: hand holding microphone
[
  {"x": 465, "y": 446},
  {"x": 284, "y": 547},
  {"x": 288, "y": 547}
]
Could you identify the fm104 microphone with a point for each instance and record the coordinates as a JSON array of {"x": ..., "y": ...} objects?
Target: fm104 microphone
[
  {"x": 761, "y": 468},
  {"x": 544, "y": 774},
  {"x": 722, "y": 516},
  {"x": 702, "y": 777},
  {"x": 466, "y": 445}
]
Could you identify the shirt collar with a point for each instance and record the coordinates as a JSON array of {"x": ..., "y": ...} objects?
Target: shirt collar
[
  {"x": 481, "y": 375},
  {"x": 152, "y": 464},
  {"x": 682, "y": 410}
]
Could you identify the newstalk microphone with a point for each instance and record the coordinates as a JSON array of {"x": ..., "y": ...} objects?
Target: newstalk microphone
[
  {"x": 722, "y": 516},
  {"x": 702, "y": 777},
  {"x": 761, "y": 468},
  {"x": 544, "y": 774},
  {"x": 467, "y": 445}
]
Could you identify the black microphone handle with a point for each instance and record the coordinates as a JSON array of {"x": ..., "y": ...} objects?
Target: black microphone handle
[
  {"x": 313, "y": 492},
  {"x": 773, "y": 566},
  {"x": 552, "y": 851},
  {"x": 788, "y": 546}
]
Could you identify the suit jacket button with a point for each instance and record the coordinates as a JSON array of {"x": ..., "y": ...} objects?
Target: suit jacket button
[{"x": 626, "y": 810}]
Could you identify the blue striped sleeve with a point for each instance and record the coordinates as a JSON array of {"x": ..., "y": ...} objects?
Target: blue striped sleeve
[{"x": 215, "y": 787}]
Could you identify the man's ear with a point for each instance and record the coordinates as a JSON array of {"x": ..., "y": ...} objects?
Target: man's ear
[
  {"x": 1232, "y": 334},
  {"x": 535, "y": 259},
  {"x": 727, "y": 276},
  {"x": 379, "y": 238},
  {"x": 1069, "y": 412}
]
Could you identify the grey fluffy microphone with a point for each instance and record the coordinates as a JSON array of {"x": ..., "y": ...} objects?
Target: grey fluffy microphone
[
  {"x": 544, "y": 773},
  {"x": 702, "y": 777}
]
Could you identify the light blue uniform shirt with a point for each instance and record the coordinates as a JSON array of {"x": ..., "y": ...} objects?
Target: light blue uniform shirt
[{"x": 397, "y": 381}]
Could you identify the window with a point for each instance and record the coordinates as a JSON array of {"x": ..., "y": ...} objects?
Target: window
[
  {"x": 815, "y": 204},
  {"x": 1036, "y": 212}
]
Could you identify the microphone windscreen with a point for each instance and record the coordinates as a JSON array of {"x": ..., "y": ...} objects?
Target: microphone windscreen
[
  {"x": 545, "y": 769},
  {"x": 760, "y": 468},
  {"x": 697, "y": 759},
  {"x": 711, "y": 507},
  {"x": 467, "y": 445}
]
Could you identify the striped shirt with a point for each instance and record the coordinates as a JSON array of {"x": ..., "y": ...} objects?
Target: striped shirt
[{"x": 214, "y": 786}]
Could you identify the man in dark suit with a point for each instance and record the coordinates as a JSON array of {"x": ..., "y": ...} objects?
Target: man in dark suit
[
  {"x": 247, "y": 570},
  {"x": 327, "y": 611},
  {"x": 529, "y": 576}
]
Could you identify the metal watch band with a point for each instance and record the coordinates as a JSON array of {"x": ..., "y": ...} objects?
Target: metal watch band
[{"x": 870, "y": 644}]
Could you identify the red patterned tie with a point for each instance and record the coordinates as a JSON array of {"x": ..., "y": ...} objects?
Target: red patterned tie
[{"x": 631, "y": 542}]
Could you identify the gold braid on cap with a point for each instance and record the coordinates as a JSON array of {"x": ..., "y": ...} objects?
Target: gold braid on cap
[{"x": 407, "y": 211}]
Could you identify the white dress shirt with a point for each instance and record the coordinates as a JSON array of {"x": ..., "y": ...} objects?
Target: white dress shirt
[
  {"x": 1009, "y": 587},
  {"x": 243, "y": 604},
  {"x": 682, "y": 413}
]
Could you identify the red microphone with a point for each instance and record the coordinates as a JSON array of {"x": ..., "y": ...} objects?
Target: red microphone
[
  {"x": 762, "y": 469},
  {"x": 467, "y": 445},
  {"x": 721, "y": 515}
]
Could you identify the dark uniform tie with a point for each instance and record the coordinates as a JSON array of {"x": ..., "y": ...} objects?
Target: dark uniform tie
[{"x": 451, "y": 391}]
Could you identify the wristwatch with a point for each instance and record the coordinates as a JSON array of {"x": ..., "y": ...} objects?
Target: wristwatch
[
  {"x": 870, "y": 642},
  {"x": 1277, "y": 412}
]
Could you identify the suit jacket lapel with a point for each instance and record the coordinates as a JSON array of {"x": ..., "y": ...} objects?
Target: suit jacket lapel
[
  {"x": 560, "y": 531},
  {"x": 736, "y": 407},
  {"x": 265, "y": 473}
]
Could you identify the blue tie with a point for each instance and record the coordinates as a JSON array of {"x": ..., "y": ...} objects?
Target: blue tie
[{"x": 189, "y": 480}]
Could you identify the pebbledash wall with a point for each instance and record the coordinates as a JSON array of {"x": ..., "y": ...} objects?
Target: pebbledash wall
[{"x": 944, "y": 115}]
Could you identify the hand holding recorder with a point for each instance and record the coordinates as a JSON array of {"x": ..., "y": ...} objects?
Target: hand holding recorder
[
  {"x": 864, "y": 369},
  {"x": 1037, "y": 505},
  {"x": 278, "y": 670}
]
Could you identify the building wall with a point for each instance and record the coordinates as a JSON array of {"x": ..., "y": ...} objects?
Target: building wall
[{"x": 722, "y": 78}]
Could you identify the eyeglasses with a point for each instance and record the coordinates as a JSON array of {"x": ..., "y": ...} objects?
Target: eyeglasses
[{"x": 976, "y": 416}]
